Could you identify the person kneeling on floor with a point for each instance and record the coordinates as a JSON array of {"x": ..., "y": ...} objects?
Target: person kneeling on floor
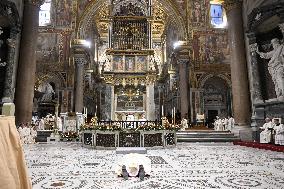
[{"x": 133, "y": 165}]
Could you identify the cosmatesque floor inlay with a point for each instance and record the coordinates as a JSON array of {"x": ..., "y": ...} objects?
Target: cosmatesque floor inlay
[{"x": 70, "y": 166}]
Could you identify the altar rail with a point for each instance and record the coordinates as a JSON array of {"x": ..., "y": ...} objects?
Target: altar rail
[
  {"x": 129, "y": 124},
  {"x": 112, "y": 139}
]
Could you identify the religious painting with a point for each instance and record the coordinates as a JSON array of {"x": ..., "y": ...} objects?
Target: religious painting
[
  {"x": 141, "y": 63},
  {"x": 199, "y": 11},
  {"x": 64, "y": 13},
  {"x": 211, "y": 47},
  {"x": 118, "y": 64},
  {"x": 47, "y": 48},
  {"x": 129, "y": 63},
  {"x": 181, "y": 6}
]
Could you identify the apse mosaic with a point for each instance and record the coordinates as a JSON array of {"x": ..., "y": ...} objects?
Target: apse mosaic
[{"x": 220, "y": 165}]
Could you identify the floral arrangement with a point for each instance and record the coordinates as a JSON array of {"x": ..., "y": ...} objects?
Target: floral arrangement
[
  {"x": 87, "y": 127},
  {"x": 70, "y": 135},
  {"x": 150, "y": 127},
  {"x": 117, "y": 127}
]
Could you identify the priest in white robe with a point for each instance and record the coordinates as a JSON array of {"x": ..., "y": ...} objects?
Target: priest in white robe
[
  {"x": 279, "y": 132},
  {"x": 184, "y": 124},
  {"x": 218, "y": 125},
  {"x": 231, "y": 123},
  {"x": 265, "y": 135},
  {"x": 225, "y": 124}
]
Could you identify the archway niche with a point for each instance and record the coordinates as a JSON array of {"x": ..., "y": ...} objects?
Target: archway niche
[{"x": 216, "y": 99}]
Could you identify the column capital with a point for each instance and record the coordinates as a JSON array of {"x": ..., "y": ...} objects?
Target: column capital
[
  {"x": 80, "y": 60},
  {"x": 36, "y": 3},
  {"x": 182, "y": 61},
  {"x": 232, "y": 4},
  {"x": 150, "y": 79}
]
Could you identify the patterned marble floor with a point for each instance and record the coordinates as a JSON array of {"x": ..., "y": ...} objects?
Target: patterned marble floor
[{"x": 70, "y": 166}]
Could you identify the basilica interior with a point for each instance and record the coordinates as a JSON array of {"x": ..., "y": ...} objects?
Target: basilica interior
[{"x": 81, "y": 72}]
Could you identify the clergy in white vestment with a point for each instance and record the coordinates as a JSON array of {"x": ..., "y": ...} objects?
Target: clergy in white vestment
[
  {"x": 59, "y": 124},
  {"x": 184, "y": 124},
  {"x": 225, "y": 124},
  {"x": 265, "y": 135},
  {"x": 215, "y": 124},
  {"x": 218, "y": 125},
  {"x": 279, "y": 132},
  {"x": 41, "y": 124},
  {"x": 231, "y": 123}
]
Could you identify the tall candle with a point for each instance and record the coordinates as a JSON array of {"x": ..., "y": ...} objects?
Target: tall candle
[
  {"x": 172, "y": 115},
  {"x": 162, "y": 111}
]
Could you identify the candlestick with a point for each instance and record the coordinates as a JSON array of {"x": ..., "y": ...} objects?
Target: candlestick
[
  {"x": 174, "y": 115},
  {"x": 162, "y": 111}
]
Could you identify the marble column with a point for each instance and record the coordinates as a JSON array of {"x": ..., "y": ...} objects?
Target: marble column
[
  {"x": 9, "y": 87},
  {"x": 183, "y": 87},
  {"x": 239, "y": 72},
  {"x": 150, "y": 102},
  {"x": 112, "y": 113},
  {"x": 255, "y": 80},
  {"x": 108, "y": 104},
  {"x": 27, "y": 61},
  {"x": 79, "y": 85}
]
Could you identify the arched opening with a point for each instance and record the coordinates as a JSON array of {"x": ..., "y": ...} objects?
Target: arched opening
[{"x": 216, "y": 99}]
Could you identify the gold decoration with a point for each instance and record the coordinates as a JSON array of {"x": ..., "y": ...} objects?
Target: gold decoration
[
  {"x": 232, "y": 4},
  {"x": 108, "y": 78}
]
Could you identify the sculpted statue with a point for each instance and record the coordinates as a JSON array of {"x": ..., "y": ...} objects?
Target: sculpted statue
[
  {"x": 276, "y": 65},
  {"x": 48, "y": 91}
]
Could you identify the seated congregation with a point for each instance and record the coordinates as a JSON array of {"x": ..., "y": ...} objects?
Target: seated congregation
[{"x": 272, "y": 132}]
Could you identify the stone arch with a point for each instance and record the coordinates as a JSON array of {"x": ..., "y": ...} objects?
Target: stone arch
[
  {"x": 208, "y": 76},
  {"x": 216, "y": 96},
  {"x": 56, "y": 78}
]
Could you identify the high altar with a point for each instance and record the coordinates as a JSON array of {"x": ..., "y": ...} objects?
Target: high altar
[{"x": 130, "y": 69}]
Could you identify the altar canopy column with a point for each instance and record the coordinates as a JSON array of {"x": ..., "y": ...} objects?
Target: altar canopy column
[
  {"x": 239, "y": 77},
  {"x": 27, "y": 61},
  {"x": 183, "y": 86},
  {"x": 80, "y": 62},
  {"x": 150, "y": 106}
]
